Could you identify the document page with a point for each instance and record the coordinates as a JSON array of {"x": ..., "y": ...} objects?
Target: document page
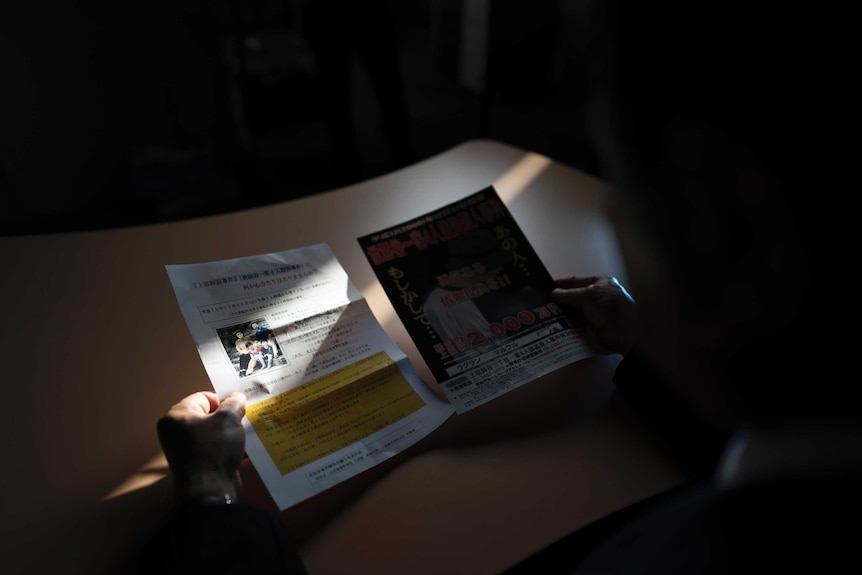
[
  {"x": 329, "y": 393},
  {"x": 476, "y": 299}
]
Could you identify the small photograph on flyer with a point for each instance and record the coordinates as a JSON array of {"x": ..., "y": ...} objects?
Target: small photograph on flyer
[{"x": 251, "y": 347}]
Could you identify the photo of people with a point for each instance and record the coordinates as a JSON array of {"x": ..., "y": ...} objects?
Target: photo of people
[{"x": 251, "y": 347}]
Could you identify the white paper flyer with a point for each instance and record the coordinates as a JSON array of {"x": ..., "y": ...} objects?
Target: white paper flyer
[{"x": 329, "y": 393}]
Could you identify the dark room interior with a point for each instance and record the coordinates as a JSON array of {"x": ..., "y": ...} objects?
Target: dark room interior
[
  {"x": 119, "y": 114},
  {"x": 655, "y": 319}
]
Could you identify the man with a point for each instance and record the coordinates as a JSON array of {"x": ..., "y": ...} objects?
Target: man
[
  {"x": 719, "y": 354},
  {"x": 242, "y": 344},
  {"x": 263, "y": 336},
  {"x": 261, "y": 333}
]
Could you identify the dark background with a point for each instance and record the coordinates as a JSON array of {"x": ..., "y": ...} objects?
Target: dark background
[{"x": 134, "y": 112}]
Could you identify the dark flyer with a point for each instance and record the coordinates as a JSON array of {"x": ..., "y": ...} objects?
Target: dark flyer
[{"x": 475, "y": 298}]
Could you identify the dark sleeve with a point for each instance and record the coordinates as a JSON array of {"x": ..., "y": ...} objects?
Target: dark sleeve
[
  {"x": 691, "y": 440},
  {"x": 220, "y": 539}
]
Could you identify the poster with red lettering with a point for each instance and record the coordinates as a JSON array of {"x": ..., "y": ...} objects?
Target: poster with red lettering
[{"x": 475, "y": 298}]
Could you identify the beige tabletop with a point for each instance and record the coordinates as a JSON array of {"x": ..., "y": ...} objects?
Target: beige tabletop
[{"x": 96, "y": 350}]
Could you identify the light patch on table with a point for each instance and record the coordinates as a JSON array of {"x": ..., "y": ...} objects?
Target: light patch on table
[
  {"x": 521, "y": 175},
  {"x": 152, "y": 471},
  {"x": 327, "y": 414}
]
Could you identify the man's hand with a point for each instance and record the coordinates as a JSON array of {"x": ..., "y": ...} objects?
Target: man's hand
[
  {"x": 204, "y": 443},
  {"x": 607, "y": 307}
]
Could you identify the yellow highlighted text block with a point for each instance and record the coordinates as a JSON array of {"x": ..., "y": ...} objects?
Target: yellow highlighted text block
[{"x": 327, "y": 414}]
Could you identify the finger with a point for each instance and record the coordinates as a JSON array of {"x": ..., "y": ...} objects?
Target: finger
[
  {"x": 572, "y": 297},
  {"x": 202, "y": 402},
  {"x": 234, "y": 404},
  {"x": 213, "y": 400},
  {"x": 576, "y": 281}
]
